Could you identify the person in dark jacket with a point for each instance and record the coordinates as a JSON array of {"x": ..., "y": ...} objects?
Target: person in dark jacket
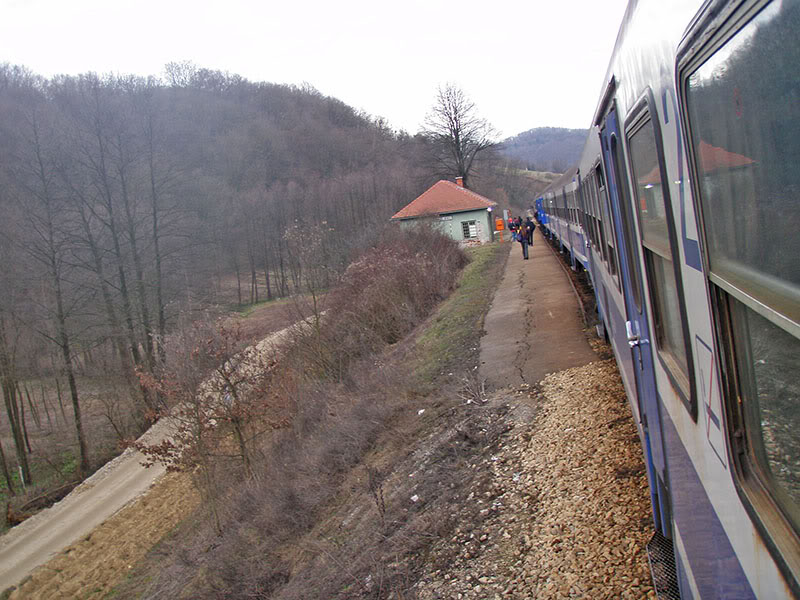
[
  {"x": 530, "y": 227},
  {"x": 522, "y": 238}
]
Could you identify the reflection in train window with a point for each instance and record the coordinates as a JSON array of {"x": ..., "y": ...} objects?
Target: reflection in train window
[
  {"x": 767, "y": 369},
  {"x": 662, "y": 281},
  {"x": 745, "y": 130}
]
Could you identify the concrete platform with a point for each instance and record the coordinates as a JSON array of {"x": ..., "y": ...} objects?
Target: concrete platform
[{"x": 534, "y": 326}]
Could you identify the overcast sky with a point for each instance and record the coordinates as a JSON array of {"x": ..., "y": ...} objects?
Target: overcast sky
[{"x": 525, "y": 64}]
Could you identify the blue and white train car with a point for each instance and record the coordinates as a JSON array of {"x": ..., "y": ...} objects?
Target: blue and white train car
[
  {"x": 688, "y": 195},
  {"x": 561, "y": 207}
]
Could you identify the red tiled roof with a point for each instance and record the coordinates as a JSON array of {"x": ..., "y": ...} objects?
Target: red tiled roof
[
  {"x": 444, "y": 197},
  {"x": 713, "y": 158}
]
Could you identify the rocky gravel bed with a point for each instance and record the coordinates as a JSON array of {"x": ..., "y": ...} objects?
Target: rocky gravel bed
[{"x": 566, "y": 513}]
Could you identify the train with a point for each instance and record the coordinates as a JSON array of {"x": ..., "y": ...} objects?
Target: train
[{"x": 684, "y": 213}]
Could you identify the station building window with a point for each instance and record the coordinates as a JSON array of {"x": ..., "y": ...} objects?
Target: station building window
[
  {"x": 744, "y": 119},
  {"x": 469, "y": 229}
]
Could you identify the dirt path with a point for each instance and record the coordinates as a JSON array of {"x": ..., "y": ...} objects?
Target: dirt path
[
  {"x": 41, "y": 537},
  {"x": 121, "y": 482}
]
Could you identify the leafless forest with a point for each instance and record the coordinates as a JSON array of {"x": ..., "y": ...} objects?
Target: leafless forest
[{"x": 132, "y": 206}]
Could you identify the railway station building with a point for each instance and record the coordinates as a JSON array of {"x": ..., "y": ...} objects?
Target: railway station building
[{"x": 456, "y": 211}]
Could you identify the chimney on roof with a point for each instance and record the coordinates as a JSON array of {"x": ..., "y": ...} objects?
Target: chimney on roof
[{"x": 460, "y": 181}]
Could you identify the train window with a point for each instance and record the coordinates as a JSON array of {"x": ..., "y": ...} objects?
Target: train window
[
  {"x": 627, "y": 225},
  {"x": 609, "y": 252},
  {"x": 591, "y": 201},
  {"x": 744, "y": 121},
  {"x": 574, "y": 204},
  {"x": 583, "y": 197},
  {"x": 572, "y": 211},
  {"x": 596, "y": 214},
  {"x": 586, "y": 194},
  {"x": 767, "y": 368},
  {"x": 598, "y": 224},
  {"x": 663, "y": 285}
]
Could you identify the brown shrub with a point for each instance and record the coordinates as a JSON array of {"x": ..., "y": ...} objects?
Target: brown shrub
[
  {"x": 381, "y": 297},
  {"x": 343, "y": 402}
]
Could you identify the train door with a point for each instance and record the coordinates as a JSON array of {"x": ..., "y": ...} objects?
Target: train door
[{"x": 637, "y": 324}]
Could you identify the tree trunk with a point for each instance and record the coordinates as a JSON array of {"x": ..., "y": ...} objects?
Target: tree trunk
[
  {"x": 6, "y": 473},
  {"x": 34, "y": 410},
  {"x": 9, "y": 384},
  {"x": 108, "y": 303},
  {"x": 21, "y": 401},
  {"x": 53, "y": 259},
  {"x": 238, "y": 281},
  {"x": 108, "y": 204},
  {"x": 155, "y": 204},
  {"x": 60, "y": 401},
  {"x": 46, "y": 408},
  {"x": 282, "y": 270},
  {"x": 12, "y": 410},
  {"x": 66, "y": 354},
  {"x": 266, "y": 266},
  {"x": 141, "y": 294}
]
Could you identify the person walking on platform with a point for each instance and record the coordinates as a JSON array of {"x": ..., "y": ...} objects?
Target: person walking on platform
[
  {"x": 522, "y": 238},
  {"x": 530, "y": 227}
]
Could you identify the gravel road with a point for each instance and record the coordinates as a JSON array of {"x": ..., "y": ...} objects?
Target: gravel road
[{"x": 41, "y": 537}]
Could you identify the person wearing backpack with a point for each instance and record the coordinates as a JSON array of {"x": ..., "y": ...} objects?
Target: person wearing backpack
[
  {"x": 522, "y": 238},
  {"x": 530, "y": 227}
]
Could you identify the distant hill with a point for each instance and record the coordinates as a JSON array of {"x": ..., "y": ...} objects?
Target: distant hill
[{"x": 546, "y": 148}]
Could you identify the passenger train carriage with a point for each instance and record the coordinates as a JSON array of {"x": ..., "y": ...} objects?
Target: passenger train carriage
[{"x": 685, "y": 212}]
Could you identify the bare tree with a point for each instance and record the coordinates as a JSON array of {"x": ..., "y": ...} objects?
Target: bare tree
[
  {"x": 47, "y": 242},
  {"x": 456, "y": 133},
  {"x": 8, "y": 380}
]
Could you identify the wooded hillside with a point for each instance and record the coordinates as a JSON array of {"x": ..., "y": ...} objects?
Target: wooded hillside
[
  {"x": 552, "y": 149},
  {"x": 129, "y": 203},
  {"x": 132, "y": 205}
]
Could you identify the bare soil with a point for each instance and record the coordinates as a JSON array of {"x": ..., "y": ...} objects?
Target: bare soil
[{"x": 90, "y": 567}]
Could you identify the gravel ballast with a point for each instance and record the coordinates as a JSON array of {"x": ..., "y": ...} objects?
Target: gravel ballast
[{"x": 568, "y": 514}]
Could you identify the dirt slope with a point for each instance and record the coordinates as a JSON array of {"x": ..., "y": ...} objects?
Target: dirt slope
[{"x": 90, "y": 567}]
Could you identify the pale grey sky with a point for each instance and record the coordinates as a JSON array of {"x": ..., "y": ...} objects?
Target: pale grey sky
[{"x": 524, "y": 64}]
